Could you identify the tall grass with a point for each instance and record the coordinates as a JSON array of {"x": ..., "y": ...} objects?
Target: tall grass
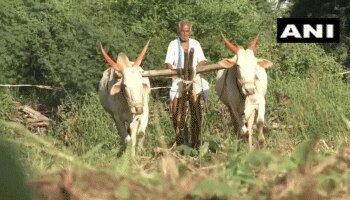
[
  {"x": 316, "y": 105},
  {"x": 84, "y": 125}
]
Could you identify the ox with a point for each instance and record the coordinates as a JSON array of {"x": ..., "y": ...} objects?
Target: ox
[
  {"x": 126, "y": 98},
  {"x": 242, "y": 89}
]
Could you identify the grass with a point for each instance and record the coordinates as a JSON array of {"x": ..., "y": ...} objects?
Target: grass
[{"x": 306, "y": 156}]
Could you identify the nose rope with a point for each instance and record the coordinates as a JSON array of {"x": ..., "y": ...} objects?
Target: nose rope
[
  {"x": 136, "y": 104},
  {"x": 246, "y": 82},
  {"x": 240, "y": 89},
  {"x": 242, "y": 84}
]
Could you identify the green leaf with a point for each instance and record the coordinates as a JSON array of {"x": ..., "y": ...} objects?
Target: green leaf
[{"x": 187, "y": 151}]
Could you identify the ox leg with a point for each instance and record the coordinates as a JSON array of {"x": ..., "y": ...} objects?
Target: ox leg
[
  {"x": 234, "y": 122},
  {"x": 238, "y": 121},
  {"x": 142, "y": 129},
  {"x": 196, "y": 120},
  {"x": 250, "y": 123},
  {"x": 260, "y": 124},
  {"x": 122, "y": 131},
  {"x": 134, "y": 126},
  {"x": 140, "y": 139}
]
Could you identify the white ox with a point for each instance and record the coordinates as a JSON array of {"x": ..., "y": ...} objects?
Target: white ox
[
  {"x": 126, "y": 99},
  {"x": 242, "y": 89}
]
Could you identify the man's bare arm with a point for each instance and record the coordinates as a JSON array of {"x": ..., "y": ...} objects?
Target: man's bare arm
[
  {"x": 168, "y": 66},
  {"x": 200, "y": 64}
]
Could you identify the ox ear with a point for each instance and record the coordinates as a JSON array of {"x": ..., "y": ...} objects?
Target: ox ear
[
  {"x": 146, "y": 86},
  {"x": 264, "y": 63},
  {"x": 116, "y": 88},
  {"x": 228, "y": 62}
]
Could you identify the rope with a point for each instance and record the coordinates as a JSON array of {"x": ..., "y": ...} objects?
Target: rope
[{"x": 29, "y": 85}]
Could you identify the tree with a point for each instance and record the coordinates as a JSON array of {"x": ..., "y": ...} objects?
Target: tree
[{"x": 329, "y": 8}]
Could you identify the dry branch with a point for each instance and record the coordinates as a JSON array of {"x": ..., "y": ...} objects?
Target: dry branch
[
  {"x": 32, "y": 119},
  {"x": 34, "y": 115}
]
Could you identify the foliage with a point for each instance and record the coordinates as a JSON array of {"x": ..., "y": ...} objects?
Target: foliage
[
  {"x": 56, "y": 42},
  {"x": 328, "y": 8},
  {"x": 299, "y": 60}
]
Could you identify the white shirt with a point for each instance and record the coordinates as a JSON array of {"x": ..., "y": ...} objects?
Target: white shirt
[{"x": 172, "y": 57}]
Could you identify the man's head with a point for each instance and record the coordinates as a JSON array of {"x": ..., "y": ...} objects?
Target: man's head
[{"x": 185, "y": 30}]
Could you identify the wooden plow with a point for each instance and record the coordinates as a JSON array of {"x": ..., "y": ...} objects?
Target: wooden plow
[{"x": 188, "y": 99}]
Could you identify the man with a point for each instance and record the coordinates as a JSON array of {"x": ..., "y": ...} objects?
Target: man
[{"x": 175, "y": 60}]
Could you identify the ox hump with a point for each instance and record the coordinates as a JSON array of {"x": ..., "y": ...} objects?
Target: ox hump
[{"x": 123, "y": 60}]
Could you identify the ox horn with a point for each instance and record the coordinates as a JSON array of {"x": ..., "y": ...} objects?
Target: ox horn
[
  {"x": 140, "y": 57},
  {"x": 109, "y": 60},
  {"x": 252, "y": 45},
  {"x": 233, "y": 48}
]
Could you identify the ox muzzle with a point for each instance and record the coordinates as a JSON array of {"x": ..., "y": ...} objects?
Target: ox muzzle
[
  {"x": 136, "y": 107},
  {"x": 248, "y": 88}
]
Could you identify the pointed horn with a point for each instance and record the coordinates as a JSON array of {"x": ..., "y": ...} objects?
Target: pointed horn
[
  {"x": 109, "y": 60},
  {"x": 252, "y": 45},
  {"x": 140, "y": 57},
  {"x": 233, "y": 48}
]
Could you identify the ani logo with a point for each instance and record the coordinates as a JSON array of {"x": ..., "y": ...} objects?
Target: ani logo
[{"x": 308, "y": 30}]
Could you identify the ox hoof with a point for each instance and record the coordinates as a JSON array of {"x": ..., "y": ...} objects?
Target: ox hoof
[
  {"x": 140, "y": 151},
  {"x": 261, "y": 143},
  {"x": 244, "y": 132},
  {"x": 127, "y": 139}
]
